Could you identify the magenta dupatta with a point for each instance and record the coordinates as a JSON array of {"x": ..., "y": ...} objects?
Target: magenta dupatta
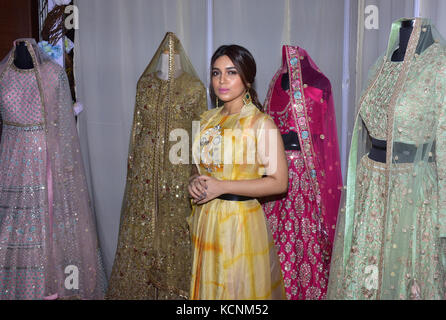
[{"x": 309, "y": 110}]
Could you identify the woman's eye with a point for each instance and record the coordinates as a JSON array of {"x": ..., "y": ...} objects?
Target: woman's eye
[
  {"x": 232, "y": 72},
  {"x": 215, "y": 73}
]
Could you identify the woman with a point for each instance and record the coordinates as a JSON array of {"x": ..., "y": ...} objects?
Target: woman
[{"x": 233, "y": 251}]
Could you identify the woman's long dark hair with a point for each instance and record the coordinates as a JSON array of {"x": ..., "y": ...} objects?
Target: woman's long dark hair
[{"x": 246, "y": 67}]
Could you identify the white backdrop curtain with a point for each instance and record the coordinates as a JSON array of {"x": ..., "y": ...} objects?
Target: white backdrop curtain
[
  {"x": 436, "y": 11},
  {"x": 117, "y": 39},
  {"x": 375, "y": 40}
]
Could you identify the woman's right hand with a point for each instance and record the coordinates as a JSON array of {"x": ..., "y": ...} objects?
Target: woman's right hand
[{"x": 197, "y": 188}]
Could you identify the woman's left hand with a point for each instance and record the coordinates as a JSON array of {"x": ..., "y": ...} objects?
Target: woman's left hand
[{"x": 214, "y": 188}]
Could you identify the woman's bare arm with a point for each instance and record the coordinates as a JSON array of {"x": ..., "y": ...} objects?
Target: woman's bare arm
[{"x": 272, "y": 154}]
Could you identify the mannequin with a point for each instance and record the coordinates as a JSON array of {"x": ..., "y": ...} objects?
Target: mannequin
[
  {"x": 55, "y": 227},
  {"x": 379, "y": 147},
  {"x": 163, "y": 69},
  {"x": 291, "y": 139},
  {"x": 153, "y": 256},
  {"x": 393, "y": 204},
  {"x": 22, "y": 58},
  {"x": 303, "y": 220},
  {"x": 405, "y": 32}
]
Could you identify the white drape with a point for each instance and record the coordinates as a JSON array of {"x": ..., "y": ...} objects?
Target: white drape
[
  {"x": 436, "y": 11},
  {"x": 117, "y": 39}
]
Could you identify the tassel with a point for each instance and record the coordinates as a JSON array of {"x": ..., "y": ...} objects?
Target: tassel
[{"x": 415, "y": 291}]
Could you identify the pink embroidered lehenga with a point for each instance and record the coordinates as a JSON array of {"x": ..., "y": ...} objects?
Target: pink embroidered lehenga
[
  {"x": 48, "y": 242},
  {"x": 303, "y": 221}
]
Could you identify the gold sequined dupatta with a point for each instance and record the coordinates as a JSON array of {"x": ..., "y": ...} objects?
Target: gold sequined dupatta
[
  {"x": 153, "y": 254},
  {"x": 168, "y": 54}
]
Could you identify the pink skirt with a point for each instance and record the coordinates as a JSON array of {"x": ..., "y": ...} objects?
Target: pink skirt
[{"x": 304, "y": 250}]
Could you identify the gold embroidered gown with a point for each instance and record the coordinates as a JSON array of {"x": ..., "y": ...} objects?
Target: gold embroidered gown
[
  {"x": 153, "y": 257},
  {"x": 233, "y": 250}
]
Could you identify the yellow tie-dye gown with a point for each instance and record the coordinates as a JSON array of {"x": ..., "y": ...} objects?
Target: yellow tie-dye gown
[{"x": 233, "y": 250}]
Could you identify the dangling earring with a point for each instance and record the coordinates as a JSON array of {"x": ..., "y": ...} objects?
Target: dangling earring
[
  {"x": 216, "y": 102},
  {"x": 247, "y": 98}
]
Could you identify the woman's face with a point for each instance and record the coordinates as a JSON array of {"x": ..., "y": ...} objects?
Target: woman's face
[{"x": 226, "y": 81}]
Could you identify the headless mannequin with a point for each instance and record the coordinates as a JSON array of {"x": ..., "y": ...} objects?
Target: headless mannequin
[
  {"x": 311, "y": 78},
  {"x": 22, "y": 60},
  {"x": 405, "y": 32},
  {"x": 22, "y": 57},
  {"x": 379, "y": 147},
  {"x": 163, "y": 69}
]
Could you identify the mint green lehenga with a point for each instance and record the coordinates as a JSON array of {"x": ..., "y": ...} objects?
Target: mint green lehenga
[{"x": 390, "y": 237}]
